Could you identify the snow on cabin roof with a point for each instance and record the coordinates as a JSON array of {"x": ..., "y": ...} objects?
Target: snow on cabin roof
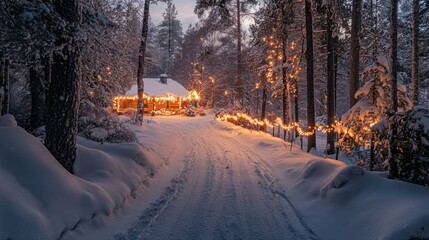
[{"x": 154, "y": 88}]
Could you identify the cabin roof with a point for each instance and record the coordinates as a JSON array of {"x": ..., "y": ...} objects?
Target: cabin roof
[{"x": 153, "y": 87}]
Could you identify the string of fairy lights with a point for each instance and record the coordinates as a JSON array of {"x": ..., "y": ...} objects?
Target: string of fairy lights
[
  {"x": 242, "y": 117},
  {"x": 193, "y": 95},
  {"x": 274, "y": 58}
]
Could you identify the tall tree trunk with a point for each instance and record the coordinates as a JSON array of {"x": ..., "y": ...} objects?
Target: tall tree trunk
[
  {"x": 238, "y": 86},
  {"x": 140, "y": 70},
  {"x": 64, "y": 91},
  {"x": 6, "y": 87},
  {"x": 37, "y": 98},
  {"x": 284, "y": 92},
  {"x": 2, "y": 77},
  {"x": 415, "y": 53},
  {"x": 335, "y": 75},
  {"x": 264, "y": 102},
  {"x": 331, "y": 81},
  {"x": 257, "y": 101},
  {"x": 393, "y": 166},
  {"x": 296, "y": 100},
  {"x": 48, "y": 76},
  {"x": 310, "y": 78},
  {"x": 170, "y": 52},
  {"x": 289, "y": 105},
  {"x": 354, "y": 51},
  {"x": 374, "y": 22}
]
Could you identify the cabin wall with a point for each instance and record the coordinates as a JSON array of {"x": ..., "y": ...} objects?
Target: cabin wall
[{"x": 150, "y": 105}]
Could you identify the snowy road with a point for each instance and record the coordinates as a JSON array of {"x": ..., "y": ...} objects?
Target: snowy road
[{"x": 224, "y": 191}]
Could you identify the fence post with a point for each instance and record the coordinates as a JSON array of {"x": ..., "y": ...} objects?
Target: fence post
[
  {"x": 338, "y": 152},
  {"x": 371, "y": 153}
]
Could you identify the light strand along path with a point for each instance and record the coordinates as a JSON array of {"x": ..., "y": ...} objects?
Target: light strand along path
[{"x": 224, "y": 191}]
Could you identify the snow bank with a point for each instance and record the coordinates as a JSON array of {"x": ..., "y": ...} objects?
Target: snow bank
[
  {"x": 340, "y": 201},
  {"x": 41, "y": 200},
  {"x": 7, "y": 120},
  {"x": 356, "y": 203}
]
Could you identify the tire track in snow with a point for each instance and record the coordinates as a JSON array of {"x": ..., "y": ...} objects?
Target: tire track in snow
[
  {"x": 269, "y": 183},
  {"x": 151, "y": 214},
  {"x": 224, "y": 191},
  {"x": 239, "y": 187}
]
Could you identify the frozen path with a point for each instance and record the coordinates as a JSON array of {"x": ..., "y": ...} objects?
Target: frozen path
[{"x": 224, "y": 191}]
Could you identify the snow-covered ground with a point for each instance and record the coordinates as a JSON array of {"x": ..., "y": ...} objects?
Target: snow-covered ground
[{"x": 212, "y": 180}]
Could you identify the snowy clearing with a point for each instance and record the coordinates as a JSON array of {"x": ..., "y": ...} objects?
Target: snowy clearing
[{"x": 212, "y": 180}]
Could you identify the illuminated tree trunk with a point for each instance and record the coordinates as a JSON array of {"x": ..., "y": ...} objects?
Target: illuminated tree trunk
[
  {"x": 140, "y": 70},
  {"x": 296, "y": 100},
  {"x": 264, "y": 102},
  {"x": 64, "y": 92},
  {"x": 310, "y": 78},
  {"x": 393, "y": 165},
  {"x": 415, "y": 53},
  {"x": 289, "y": 105},
  {"x": 354, "y": 51},
  {"x": 331, "y": 81}
]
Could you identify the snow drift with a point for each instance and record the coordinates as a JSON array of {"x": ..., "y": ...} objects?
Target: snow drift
[
  {"x": 340, "y": 201},
  {"x": 41, "y": 200}
]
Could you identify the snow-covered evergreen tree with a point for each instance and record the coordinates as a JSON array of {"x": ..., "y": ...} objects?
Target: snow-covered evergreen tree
[
  {"x": 373, "y": 105},
  {"x": 412, "y": 141}
]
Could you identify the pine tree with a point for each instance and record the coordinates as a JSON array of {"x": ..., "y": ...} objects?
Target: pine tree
[
  {"x": 373, "y": 106},
  {"x": 413, "y": 145},
  {"x": 224, "y": 10},
  {"x": 170, "y": 36},
  {"x": 156, "y": 57}
]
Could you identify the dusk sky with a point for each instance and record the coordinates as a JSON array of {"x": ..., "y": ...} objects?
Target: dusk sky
[{"x": 185, "y": 9}]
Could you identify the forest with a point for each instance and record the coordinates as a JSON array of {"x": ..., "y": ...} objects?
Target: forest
[{"x": 353, "y": 69}]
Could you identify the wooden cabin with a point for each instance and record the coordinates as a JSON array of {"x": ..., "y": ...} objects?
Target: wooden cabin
[{"x": 161, "y": 95}]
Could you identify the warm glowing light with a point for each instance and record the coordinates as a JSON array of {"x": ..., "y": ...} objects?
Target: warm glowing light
[
  {"x": 193, "y": 95},
  {"x": 241, "y": 117}
]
